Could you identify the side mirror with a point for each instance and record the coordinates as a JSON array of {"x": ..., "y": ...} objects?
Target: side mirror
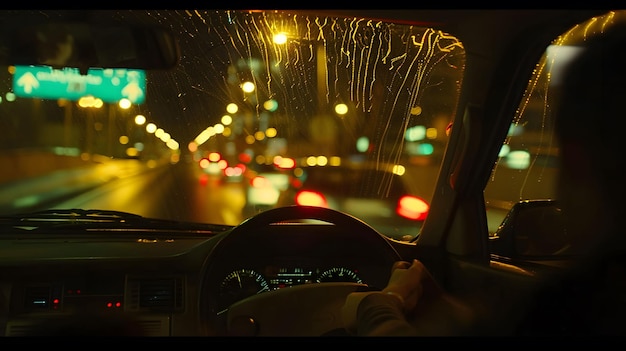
[{"x": 533, "y": 229}]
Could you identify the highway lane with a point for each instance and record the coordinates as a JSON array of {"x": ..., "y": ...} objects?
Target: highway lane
[{"x": 171, "y": 192}]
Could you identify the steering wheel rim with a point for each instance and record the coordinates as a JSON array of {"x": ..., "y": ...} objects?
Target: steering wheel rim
[{"x": 296, "y": 212}]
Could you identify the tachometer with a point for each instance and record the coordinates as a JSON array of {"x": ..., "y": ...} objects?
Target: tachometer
[
  {"x": 339, "y": 274},
  {"x": 240, "y": 284}
]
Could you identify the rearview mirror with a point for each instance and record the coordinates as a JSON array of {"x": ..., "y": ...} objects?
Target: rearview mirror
[{"x": 83, "y": 45}]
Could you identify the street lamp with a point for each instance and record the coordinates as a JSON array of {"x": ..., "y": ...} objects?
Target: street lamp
[{"x": 323, "y": 127}]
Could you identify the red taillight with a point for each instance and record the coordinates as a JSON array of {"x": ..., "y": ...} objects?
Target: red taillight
[
  {"x": 412, "y": 207},
  {"x": 233, "y": 171},
  {"x": 310, "y": 198},
  {"x": 215, "y": 157},
  {"x": 204, "y": 179}
]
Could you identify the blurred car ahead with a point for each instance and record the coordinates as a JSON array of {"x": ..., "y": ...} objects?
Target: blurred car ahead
[
  {"x": 380, "y": 195},
  {"x": 265, "y": 183}
]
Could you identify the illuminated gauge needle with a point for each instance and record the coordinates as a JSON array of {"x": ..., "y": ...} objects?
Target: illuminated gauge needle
[{"x": 239, "y": 280}]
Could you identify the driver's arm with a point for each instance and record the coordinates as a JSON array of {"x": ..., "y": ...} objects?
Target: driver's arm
[{"x": 411, "y": 304}]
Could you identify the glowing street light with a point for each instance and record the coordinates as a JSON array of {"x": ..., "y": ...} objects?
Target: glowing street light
[{"x": 247, "y": 87}]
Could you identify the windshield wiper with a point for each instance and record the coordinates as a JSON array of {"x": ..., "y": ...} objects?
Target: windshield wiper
[
  {"x": 80, "y": 219},
  {"x": 74, "y": 215}
]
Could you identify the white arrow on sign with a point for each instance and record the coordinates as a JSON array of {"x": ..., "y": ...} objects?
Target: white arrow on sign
[{"x": 28, "y": 81}]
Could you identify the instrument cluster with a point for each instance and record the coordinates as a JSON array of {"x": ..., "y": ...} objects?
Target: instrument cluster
[{"x": 245, "y": 282}]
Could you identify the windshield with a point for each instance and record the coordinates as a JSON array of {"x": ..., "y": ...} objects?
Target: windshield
[{"x": 257, "y": 100}]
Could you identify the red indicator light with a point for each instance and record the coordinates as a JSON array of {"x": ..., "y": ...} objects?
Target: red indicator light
[
  {"x": 109, "y": 304},
  {"x": 118, "y": 304}
]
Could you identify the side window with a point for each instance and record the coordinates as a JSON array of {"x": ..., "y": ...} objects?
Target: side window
[{"x": 527, "y": 165}]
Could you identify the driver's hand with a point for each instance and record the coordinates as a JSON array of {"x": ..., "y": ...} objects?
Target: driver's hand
[{"x": 410, "y": 281}]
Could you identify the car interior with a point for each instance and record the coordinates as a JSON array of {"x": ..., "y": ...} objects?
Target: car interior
[{"x": 73, "y": 262}]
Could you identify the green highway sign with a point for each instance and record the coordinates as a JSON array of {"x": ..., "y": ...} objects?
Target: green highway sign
[{"x": 109, "y": 84}]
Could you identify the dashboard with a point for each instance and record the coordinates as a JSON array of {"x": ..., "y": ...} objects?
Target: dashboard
[
  {"x": 44, "y": 282},
  {"x": 173, "y": 284}
]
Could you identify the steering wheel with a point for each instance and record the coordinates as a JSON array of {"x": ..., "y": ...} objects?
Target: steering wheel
[{"x": 301, "y": 310}]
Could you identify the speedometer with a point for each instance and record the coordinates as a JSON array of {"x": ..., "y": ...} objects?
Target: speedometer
[
  {"x": 240, "y": 284},
  {"x": 339, "y": 274}
]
